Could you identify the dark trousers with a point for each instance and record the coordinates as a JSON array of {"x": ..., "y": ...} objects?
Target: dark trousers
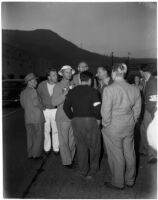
[
  {"x": 87, "y": 137},
  {"x": 35, "y": 139}
]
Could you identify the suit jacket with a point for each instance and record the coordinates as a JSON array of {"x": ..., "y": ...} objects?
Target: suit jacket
[
  {"x": 45, "y": 96},
  {"x": 150, "y": 91},
  {"x": 58, "y": 99},
  {"x": 32, "y": 105},
  {"x": 76, "y": 79},
  {"x": 121, "y": 105}
]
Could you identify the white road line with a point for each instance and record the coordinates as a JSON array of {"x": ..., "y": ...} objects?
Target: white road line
[{"x": 12, "y": 112}]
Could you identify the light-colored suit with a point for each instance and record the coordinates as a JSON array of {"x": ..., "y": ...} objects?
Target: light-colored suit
[
  {"x": 49, "y": 113},
  {"x": 120, "y": 110},
  {"x": 34, "y": 121},
  {"x": 65, "y": 132}
]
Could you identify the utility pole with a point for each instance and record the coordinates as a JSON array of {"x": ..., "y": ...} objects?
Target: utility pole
[
  {"x": 112, "y": 58},
  {"x": 129, "y": 57}
]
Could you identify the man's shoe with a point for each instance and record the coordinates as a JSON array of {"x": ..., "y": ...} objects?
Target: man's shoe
[
  {"x": 47, "y": 152},
  {"x": 38, "y": 158},
  {"x": 68, "y": 166},
  {"x": 109, "y": 185},
  {"x": 152, "y": 161},
  {"x": 129, "y": 186},
  {"x": 30, "y": 157},
  {"x": 56, "y": 153}
]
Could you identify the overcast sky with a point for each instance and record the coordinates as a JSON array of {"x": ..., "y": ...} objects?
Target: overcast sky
[{"x": 98, "y": 27}]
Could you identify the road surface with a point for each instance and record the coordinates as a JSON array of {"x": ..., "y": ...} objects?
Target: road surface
[{"x": 47, "y": 178}]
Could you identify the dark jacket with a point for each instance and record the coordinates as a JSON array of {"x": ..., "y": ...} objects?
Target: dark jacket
[
  {"x": 150, "y": 91},
  {"x": 82, "y": 101},
  {"x": 45, "y": 96}
]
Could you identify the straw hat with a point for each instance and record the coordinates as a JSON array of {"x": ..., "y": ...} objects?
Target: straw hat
[{"x": 65, "y": 67}]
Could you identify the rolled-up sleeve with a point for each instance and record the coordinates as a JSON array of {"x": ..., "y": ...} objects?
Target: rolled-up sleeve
[
  {"x": 106, "y": 108},
  {"x": 68, "y": 106}
]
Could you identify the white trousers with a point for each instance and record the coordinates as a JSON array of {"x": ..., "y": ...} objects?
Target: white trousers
[{"x": 50, "y": 124}]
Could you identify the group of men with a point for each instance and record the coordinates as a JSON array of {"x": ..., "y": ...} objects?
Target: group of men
[{"x": 77, "y": 113}]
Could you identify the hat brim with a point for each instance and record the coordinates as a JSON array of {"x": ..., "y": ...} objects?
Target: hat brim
[
  {"x": 31, "y": 79},
  {"x": 61, "y": 74}
]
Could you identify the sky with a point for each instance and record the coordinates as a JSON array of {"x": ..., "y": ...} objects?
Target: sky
[{"x": 98, "y": 27}]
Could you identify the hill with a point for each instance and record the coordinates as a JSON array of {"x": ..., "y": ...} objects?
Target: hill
[{"x": 25, "y": 51}]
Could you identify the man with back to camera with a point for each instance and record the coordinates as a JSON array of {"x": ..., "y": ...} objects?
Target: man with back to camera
[
  {"x": 34, "y": 118},
  {"x": 65, "y": 132},
  {"x": 121, "y": 106},
  {"x": 45, "y": 90},
  {"x": 82, "y": 105}
]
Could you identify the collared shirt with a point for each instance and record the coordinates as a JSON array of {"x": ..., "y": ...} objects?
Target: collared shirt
[
  {"x": 45, "y": 94},
  {"x": 50, "y": 88}
]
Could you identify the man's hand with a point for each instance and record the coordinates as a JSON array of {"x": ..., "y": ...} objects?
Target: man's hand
[{"x": 65, "y": 91}]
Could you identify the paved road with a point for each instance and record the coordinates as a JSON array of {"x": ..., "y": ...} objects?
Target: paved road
[
  {"x": 47, "y": 178},
  {"x": 18, "y": 171},
  {"x": 55, "y": 181}
]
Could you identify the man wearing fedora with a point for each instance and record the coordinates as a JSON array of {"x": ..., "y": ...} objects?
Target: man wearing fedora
[
  {"x": 65, "y": 132},
  {"x": 34, "y": 117},
  {"x": 45, "y": 90}
]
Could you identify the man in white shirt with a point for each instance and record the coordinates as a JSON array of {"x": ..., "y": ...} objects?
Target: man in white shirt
[{"x": 45, "y": 90}]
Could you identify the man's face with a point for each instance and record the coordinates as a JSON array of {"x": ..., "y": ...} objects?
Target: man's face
[
  {"x": 67, "y": 73},
  {"x": 33, "y": 83},
  {"x": 101, "y": 73},
  {"x": 144, "y": 75},
  {"x": 82, "y": 67},
  {"x": 53, "y": 76}
]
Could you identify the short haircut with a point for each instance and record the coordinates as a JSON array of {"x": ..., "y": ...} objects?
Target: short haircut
[
  {"x": 131, "y": 77},
  {"x": 50, "y": 69},
  {"x": 147, "y": 68},
  {"x": 83, "y": 62},
  {"x": 85, "y": 76},
  {"x": 119, "y": 68},
  {"x": 105, "y": 68}
]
